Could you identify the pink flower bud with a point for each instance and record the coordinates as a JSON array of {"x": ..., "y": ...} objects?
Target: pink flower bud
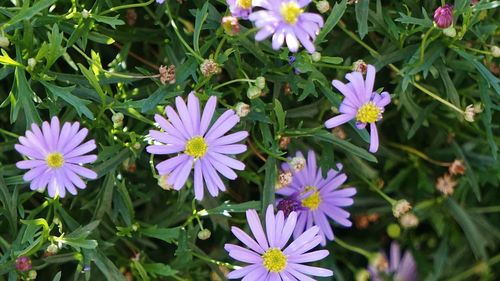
[{"x": 443, "y": 16}]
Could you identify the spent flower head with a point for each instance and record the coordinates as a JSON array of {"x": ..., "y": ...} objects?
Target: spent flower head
[
  {"x": 56, "y": 157},
  {"x": 198, "y": 144},
  {"x": 270, "y": 256}
]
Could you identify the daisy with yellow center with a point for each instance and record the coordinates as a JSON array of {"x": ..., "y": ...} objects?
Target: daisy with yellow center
[
  {"x": 269, "y": 253},
  {"x": 240, "y": 8},
  {"x": 315, "y": 198},
  {"x": 55, "y": 160},
  {"x": 361, "y": 103},
  {"x": 290, "y": 12}
]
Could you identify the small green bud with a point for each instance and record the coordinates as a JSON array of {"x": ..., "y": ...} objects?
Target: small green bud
[
  {"x": 253, "y": 92},
  {"x": 495, "y": 51},
  {"x": 242, "y": 109},
  {"x": 393, "y": 230},
  {"x": 4, "y": 42},
  {"x": 323, "y": 6},
  {"x": 316, "y": 56},
  {"x": 450, "y": 32},
  {"x": 204, "y": 234},
  {"x": 260, "y": 82}
]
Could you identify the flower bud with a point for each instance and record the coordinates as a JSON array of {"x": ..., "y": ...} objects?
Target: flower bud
[
  {"x": 284, "y": 178},
  {"x": 379, "y": 261},
  {"x": 242, "y": 109},
  {"x": 393, "y": 230},
  {"x": 167, "y": 74},
  {"x": 400, "y": 208},
  {"x": 297, "y": 163},
  {"x": 362, "y": 275},
  {"x": 31, "y": 63},
  {"x": 457, "y": 167},
  {"x": 85, "y": 13},
  {"x": 230, "y": 25},
  {"x": 495, "y": 51},
  {"x": 23, "y": 264},
  {"x": 450, "y": 32},
  {"x": 163, "y": 182},
  {"x": 117, "y": 119},
  {"x": 360, "y": 66},
  {"x": 443, "y": 16},
  {"x": 446, "y": 184},
  {"x": 32, "y": 275},
  {"x": 52, "y": 249},
  {"x": 323, "y": 6},
  {"x": 469, "y": 113},
  {"x": 316, "y": 56},
  {"x": 4, "y": 42},
  {"x": 204, "y": 234},
  {"x": 408, "y": 220},
  {"x": 253, "y": 92},
  {"x": 136, "y": 146},
  {"x": 260, "y": 82},
  {"x": 284, "y": 142}
]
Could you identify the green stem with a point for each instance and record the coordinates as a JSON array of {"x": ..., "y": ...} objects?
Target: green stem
[
  {"x": 176, "y": 30},
  {"x": 210, "y": 260},
  {"x": 473, "y": 270},
  {"x": 234, "y": 81},
  {"x": 397, "y": 70},
  {"x": 424, "y": 42},
  {"x": 489, "y": 209},
  {"x": 352, "y": 248},
  {"x": 418, "y": 153},
  {"x": 128, "y": 6},
  {"x": 9, "y": 133}
]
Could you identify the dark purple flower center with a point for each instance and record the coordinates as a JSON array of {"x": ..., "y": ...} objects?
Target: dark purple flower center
[{"x": 289, "y": 205}]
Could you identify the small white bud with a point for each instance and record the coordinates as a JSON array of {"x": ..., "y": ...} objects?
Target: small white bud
[
  {"x": 117, "y": 119},
  {"x": 323, "y": 6},
  {"x": 408, "y": 220},
  {"x": 450, "y": 32},
  {"x": 85, "y": 13},
  {"x": 204, "y": 234},
  {"x": 242, "y": 109},
  {"x": 469, "y": 113},
  {"x": 400, "y": 208},
  {"x": 4, "y": 42},
  {"x": 495, "y": 51},
  {"x": 31, "y": 62},
  {"x": 316, "y": 56}
]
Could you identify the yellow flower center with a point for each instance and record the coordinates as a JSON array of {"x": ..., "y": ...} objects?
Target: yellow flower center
[
  {"x": 244, "y": 4},
  {"x": 290, "y": 12},
  {"x": 274, "y": 260},
  {"x": 369, "y": 113},
  {"x": 55, "y": 160},
  {"x": 312, "y": 201},
  {"x": 196, "y": 147}
]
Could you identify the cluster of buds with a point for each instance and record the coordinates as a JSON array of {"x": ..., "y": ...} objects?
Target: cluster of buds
[
  {"x": 167, "y": 74},
  {"x": 446, "y": 183}
]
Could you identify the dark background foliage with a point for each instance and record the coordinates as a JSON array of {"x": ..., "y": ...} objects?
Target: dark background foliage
[{"x": 95, "y": 62}]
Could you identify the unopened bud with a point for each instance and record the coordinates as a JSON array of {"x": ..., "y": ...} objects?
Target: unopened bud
[
  {"x": 316, "y": 56},
  {"x": 31, "y": 62},
  {"x": 469, "y": 113},
  {"x": 85, "y": 13},
  {"x": 457, "y": 167},
  {"x": 242, "y": 109},
  {"x": 495, "y": 51},
  {"x": 23, "y": 264},
  {"x": 204, "y": 234},
  {"x": 284, "y": 142},
  {"x": 360, "y": 66},
  {"x": 408, "y": 220},
  {"x": 323, "y": 6},
  {"x": 167, "y": 74},
  {"x": 52, "y": 249},
  {"x": 230, "y": 25},
  {"x": 450, "y": 32},
  {"x": 254, "y": 92},
  {"x": 379, "y": 261},
  {"x": 362, "y": 275},
  {"x": 32, "y": 275},
  {"x": 209, "y": 67},
  {"x": 117, "y": 119},
  {"x": 284, "y": 178},
  {"x": 260, "y": 82},
  {"x": 297, "y": 163},
  {"x": 163, "y": 183},
  {"x": 137, "y": 146},
  {"x": 393, "y": 230},
  {"x": 4, "y": 42}
]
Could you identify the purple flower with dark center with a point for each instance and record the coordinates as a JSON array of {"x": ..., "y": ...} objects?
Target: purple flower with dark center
[
  {"x": 361, "y": 103},
  {"x": 269, "y": 256},
  {"x": 400, "y": 269},
  {"x": 320, "y": 197},
  {"x": 443, "y": 16},
  {"x": 289, "y": 205},
  {"x": 286, "y": 20},
  {"x": 56, "y": 157},
  {"x": 198, "y": 144},
  {"x": 240, "y": 8}
]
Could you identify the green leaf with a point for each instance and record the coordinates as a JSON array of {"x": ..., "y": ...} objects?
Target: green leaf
[
  {"x": 347, "y": 146},
  {"x": 105, "y": 196},
  {"x": 111, "y": 21},
  {"x": 201, "y": 16},
  {"x": 64, "y": 93},
  {"x": 269, "y": 187},
  {"x": 362, "y": 8},
  {"x": 331, "y": 60},
  {"x": 159, "y": 269},
  {"x": 473, "y": 235},
  {"x": 487, "y": 75},
  {"x": 226, "y": 208},
  {"x": 77, "y": 243},
  {"x": 168, "y": 235},
  {"x": 27, "y": 12},
  {"x": 105, "y": 265},
  {"x": 25, "y": 97},
  {"x": 280, "y": 115},
  {"x": 111, "y": 163},
  {"x": 57, "y": 277},
  {"x": 470, "y": 175},
  {"x": 9, "y": 202},
  {"x": 5, "y": 59},
  {"x": 332, "y": 20},
  {"x": 94, "y": 82}
]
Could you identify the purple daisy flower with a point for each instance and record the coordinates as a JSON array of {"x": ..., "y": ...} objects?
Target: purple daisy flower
[
  {"x": 188, "y": 133},
  {"x": 56, "y": 157},
  {"x": 286, "y": 20},
  {"x": 361, "y": 103},
  {"x": 320, "y": 198},
  {"x": 269, "y": 256},
  {"x": 240, "y": 8},
  {"x": 400, "y": 269}
]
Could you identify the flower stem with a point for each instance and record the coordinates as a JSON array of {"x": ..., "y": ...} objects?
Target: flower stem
[
  {"x": 128, "y": 6},
  {"x": 397, "y": 70},
  {"x": 465, "y": 275},
  {"x": 418, "y": 153},
  {"x": 352, "y": 248},
  {"x": 234, "y": 81},
  {"x": 176, "y": 30}
]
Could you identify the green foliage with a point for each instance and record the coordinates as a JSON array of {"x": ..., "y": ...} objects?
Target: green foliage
[{"x": 88, "y": 60}]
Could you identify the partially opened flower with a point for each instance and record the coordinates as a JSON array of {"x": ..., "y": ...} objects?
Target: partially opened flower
[
  {"x": 56, "y": 156},
  {"x": 269, "y": 254},
  {"x": 397, "y": 268},
  {"x": 361, "y": 103},
  {"x": 320, "y": 198},
  {"x": 286, "y": 21},
  {"x": 443, "y": 16},
  {"x": 240, "y": 8},
  {"x": 188, "y": 133}
]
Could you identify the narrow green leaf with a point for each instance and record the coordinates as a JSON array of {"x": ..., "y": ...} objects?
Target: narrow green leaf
[
  {"x": 168, "y": 235},
  {"x": 5, "y": 59},
  {"x": 280, "y": 115},
  {"x": 347, "y": 146},
  {"x": 201, "y": 16},
  {"x": 487, "y": 75},
  {"x": 332, "y": 20},
  {"x": 269, "y": 183},
  {"x": 226, "y": 208},
  {"x": 362, "y": 8},
  {"x": 28, "y": 12},
  {"x": 111, "y": 21},
  {"x": 65, "y": 93}
]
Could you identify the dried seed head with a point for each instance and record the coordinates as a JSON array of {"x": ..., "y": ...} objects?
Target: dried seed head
[
  {"x": 284, "y": 178},
  {"x": 284, "y": 142},
  {"x": 446, "y": 184},
  {"x": 457, "y": 167},
  {"x": 400, "y": 208},
  {"x": 469, "y": 113},
  {"x": 360, "y": 66},
  {"x": 339, "y": 133},
  {"x": 167, "y": 74},
  {"x": 408, "y": 220},
  {"x": 209, "y": 67},
  {"x": 242, "y": 109}
]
